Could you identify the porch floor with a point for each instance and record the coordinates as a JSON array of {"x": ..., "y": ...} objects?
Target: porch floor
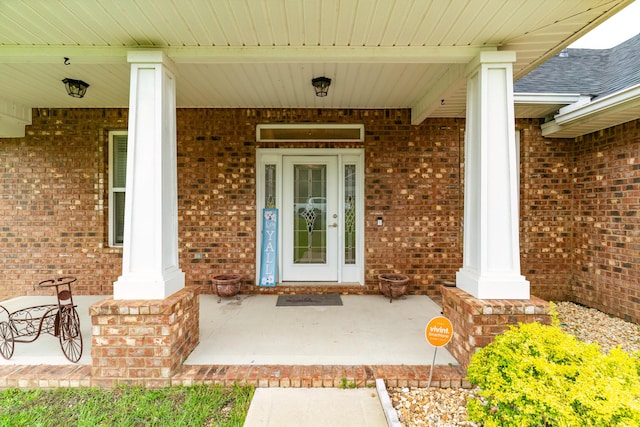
[{"x": 250, "y": 340}]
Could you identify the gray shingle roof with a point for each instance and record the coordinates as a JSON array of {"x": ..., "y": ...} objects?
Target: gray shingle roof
[{"x": 595, "y": 72}]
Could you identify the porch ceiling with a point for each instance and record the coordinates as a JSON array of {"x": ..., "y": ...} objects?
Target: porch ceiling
[{"x": 264, "y": 53}]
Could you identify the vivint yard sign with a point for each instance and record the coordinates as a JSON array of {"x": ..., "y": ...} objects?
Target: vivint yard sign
[{"x": 438, "y": 333}]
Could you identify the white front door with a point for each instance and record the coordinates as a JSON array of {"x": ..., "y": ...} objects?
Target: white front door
[
  {"x": 318, "y": 195},
  {"x": 310, "y": 218}
]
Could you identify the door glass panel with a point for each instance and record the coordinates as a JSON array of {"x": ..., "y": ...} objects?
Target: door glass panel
[
  {"x": 350, "y": 214},
  {"x": 310, "y": 214}
]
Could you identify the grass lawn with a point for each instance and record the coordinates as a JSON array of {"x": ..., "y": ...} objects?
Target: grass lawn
[{"x": 200, "y": 405}]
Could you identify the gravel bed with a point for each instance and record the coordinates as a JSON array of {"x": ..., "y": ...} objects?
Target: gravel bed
[
  {"x": 591, "y": 325},
  {"x": 437, "y": 407}
]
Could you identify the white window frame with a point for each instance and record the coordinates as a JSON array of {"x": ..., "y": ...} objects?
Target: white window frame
[{"x": 113, "y": 190}]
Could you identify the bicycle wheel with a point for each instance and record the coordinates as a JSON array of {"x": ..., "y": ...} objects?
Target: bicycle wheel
[
  {"x": 6, "y": 340},
  {"x": 70, "y": 335}
]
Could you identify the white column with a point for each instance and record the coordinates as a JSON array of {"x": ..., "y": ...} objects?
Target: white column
[
  {"x": 491, "y": 255},
  {"x": 150, "y": 254}
]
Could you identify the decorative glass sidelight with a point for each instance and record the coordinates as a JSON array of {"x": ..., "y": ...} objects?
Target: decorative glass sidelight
[
  {"x": 270, "y": 186},
  {"x": 350, "y": 214},
  {"x": 310, "y": 214}
]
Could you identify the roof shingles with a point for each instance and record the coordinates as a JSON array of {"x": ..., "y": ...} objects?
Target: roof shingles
[{"x": 594, "y": 72}]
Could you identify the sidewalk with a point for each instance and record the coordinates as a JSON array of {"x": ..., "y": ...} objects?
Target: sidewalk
[{"x": 320, "y": 407}]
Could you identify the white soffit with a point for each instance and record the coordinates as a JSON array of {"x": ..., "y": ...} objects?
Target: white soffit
[
  {"x": 263, "y": 54},
  {"x": 13, "y": 118}
]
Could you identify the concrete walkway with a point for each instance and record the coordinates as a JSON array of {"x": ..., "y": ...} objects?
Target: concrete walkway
[{"x": 315, "y": 407}]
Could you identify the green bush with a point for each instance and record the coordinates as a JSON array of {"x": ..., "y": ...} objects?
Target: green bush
[{"x": 537, "y": 375}]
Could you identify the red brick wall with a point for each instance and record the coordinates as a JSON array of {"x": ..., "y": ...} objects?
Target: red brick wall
[
  {"x": 546, "y": 211},
  {"x": 55, "y": 203},
  {"x": 607, "y": 221},
  {"x": 53, "y": 210},
  {"x": 54, "y": 200},
  {"x": 420, "y": 236}
]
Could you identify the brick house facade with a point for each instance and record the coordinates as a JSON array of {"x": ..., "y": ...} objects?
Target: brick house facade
[{"x": 578, "y": 204}]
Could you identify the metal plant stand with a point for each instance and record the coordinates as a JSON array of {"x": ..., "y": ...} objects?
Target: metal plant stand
[{"x": 60, "y": 320}]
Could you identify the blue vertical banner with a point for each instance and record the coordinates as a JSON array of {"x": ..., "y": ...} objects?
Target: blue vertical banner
[{"x": 268, "y": 269}]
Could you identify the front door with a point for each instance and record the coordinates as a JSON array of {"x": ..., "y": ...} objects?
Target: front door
[
  {"x": 310, "y": 219},
  {"x": 318, "y": 194}
]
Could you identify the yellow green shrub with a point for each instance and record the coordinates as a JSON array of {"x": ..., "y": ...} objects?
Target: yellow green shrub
[{"x": 538, "y": 375}]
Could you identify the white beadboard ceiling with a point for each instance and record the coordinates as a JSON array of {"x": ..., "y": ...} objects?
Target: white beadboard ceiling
[{"x": 264, "y": 53}]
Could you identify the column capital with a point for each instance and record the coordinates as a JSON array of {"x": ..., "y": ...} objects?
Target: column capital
[
  {"x": 150, "y": 56},
  {"x": 491, "y": 57}
]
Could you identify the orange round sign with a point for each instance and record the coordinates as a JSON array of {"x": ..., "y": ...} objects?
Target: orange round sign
[{"x": 439, "y": 331}]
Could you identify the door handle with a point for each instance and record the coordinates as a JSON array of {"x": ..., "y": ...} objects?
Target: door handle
[{"x": 335, "y": 224}]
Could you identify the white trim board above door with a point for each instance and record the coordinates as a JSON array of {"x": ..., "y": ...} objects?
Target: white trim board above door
[{"x": 330, "y": 222}]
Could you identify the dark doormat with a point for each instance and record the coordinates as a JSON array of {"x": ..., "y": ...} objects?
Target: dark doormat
[{"x": 308, "y": 299}]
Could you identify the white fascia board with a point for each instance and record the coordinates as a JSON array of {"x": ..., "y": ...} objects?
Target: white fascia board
[
  {"x": 324, "y": 54},
  {"x": 546, "y": 98},
  {"x": 578, "y": 113},
  {"x": 247, "y": 54},
  {"x": 581, "y": 111},
  {"x": 56, "y": 54}
]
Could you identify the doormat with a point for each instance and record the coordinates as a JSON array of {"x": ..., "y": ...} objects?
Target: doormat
[{"x": 308, "y": 299}]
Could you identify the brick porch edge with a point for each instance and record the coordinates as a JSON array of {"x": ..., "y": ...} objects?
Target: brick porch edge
[{"x": 49, "y": 376}]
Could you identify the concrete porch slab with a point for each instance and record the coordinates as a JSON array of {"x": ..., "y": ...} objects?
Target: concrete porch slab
[
  {"x": 365, "y": 330},
  {"x": 251, "y": 330}
]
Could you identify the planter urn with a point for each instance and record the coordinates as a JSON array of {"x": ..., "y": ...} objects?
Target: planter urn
[
  {"x": 393, "y": 285},
  {"x": 227, "y": 285}
]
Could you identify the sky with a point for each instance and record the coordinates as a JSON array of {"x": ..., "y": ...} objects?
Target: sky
[{"x": 617, "y": 29}]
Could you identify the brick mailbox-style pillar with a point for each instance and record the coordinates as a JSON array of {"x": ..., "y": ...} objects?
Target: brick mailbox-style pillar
[
  {"x": 476, "y": 322},
  {"x": 143, "y": 342}
]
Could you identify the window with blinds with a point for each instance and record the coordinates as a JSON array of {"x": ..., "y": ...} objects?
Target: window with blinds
[{"x": 117, "y": 185}]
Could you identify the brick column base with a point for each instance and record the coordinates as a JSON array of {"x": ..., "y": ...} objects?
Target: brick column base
[
  {"x": 476, "y": 322},
  {"x": 143, "y": 342}
]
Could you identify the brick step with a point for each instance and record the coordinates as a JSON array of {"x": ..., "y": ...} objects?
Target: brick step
[
  {"x": 47, "y": 376},
  {"x": 44, "y": 376}
]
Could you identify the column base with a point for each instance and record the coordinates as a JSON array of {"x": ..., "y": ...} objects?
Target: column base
[
  {"x": 134, "y": 287},
  {"x": 496, "y": 286},
  {"x": 143, "y": 342},
  {"x": 476, "y": 322}
]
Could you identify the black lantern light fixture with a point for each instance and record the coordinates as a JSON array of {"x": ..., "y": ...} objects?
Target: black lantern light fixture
[
  {"x": 75, "y": 88},
  {"x": 321, "y": 85}
]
